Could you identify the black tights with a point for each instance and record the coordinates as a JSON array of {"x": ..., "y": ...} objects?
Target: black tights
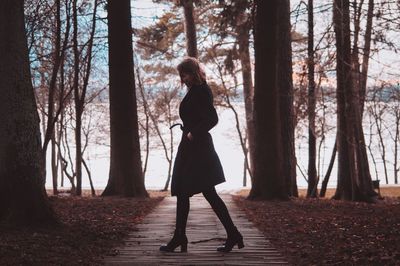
[{"x": 219, "y": 207}]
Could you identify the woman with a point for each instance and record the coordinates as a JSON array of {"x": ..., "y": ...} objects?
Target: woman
[{"x": 197, "y": 167}]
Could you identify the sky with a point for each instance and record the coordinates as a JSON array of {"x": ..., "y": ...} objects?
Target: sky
[{"x": 145, "y": 12}]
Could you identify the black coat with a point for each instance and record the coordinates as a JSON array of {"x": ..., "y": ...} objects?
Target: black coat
[{"x": 197, "y": 167}]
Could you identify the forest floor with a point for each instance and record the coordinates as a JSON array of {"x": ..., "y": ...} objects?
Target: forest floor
[
  {"x": 90, "y": 228},
  {"x": 305, "y": 231},
  {"x": 330, "y": 232}
]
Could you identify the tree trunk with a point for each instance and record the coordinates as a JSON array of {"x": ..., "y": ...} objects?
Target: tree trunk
[
  {"x": 61, "y": 124},
  {"x": 344, "y": 186},
  {"x": 269, "y": 182},
  {"x": 245, "y": 163},
  {"x": 23, "y": 199},
  {"x": 190, "y": 28},
  {"x": 54, "y": 166},
  {"x": 354, "y": 182},
  {"x": 49, "y": 130},
  {"x": 78, "y": 107},
  {"x": 237, "y": 122},
  {"x": 396, "y": 143},
  {"x": 53, "y": 80},
  {"x": 243, "y": 37},
  {"x": 80, "y": 93},
  {"x": 58, "y": 61},
  {"x": 166, "y": 186},
  {"x": 366, "y": 53},
  {"x": 312, "y": 152},
  {"x": 126, "y": 176},
  {"x": 355, "y": 51},
  {"x": 363, "y": 87},
  {"x": 93, "y": 191},
  {"x": 285, "y": 85},
  {"x": 324, "y": 184},
  {"x": 377, "y": 113},
  {"x": 147, "y": 125},
  {"x": 360, "y": 73}
]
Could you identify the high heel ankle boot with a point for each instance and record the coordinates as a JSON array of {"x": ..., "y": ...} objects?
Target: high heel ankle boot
[
  {"x": 179, "y": 239},
  {"x": 234, "y": 238}
]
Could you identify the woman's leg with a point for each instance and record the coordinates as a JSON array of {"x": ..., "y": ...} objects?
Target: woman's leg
[
  {"x": 182, "y": 212},
  {"x": 179, "y": 238},
  {"x": 220, "y": 209}
]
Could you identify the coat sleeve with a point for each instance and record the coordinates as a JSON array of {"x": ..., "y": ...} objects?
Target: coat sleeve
[{"x": 205, "y": 110}]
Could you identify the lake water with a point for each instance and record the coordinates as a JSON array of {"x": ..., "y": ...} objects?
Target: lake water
[{"x": 227, "y": 146}]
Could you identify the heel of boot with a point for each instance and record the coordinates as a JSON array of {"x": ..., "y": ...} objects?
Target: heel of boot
[
  {"x": 184, "y": 247},
  {"x": 240, "y": 244},
  {"x": 178, "y": 240}
]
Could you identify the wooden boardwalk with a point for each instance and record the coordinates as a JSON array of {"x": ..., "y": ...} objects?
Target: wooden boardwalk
[{"x": 205, "y": 233}]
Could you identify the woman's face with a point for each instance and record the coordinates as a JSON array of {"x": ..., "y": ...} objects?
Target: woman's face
[{"x": 188, "y": 79}]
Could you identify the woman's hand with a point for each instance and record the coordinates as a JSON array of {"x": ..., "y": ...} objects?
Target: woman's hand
[{"x": 189, "y": 136}]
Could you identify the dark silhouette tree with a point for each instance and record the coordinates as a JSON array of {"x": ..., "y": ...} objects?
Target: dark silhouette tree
[
  {"x": 23, "y": 198},
  {"x": 126, "y": 176},
  {"x": 285, "y": 86},
  {"x": 58, "y": 53},
  {"x": 269, "y": 181},
  {"x": 354, "y": 181},
  {"x": 360, "y": 70},
  {"x": 190, "y": 28},
  {"x": 81, "y": 89},
  {"x": 77, "y": 99},
  {"x": 312, "y": 150}
]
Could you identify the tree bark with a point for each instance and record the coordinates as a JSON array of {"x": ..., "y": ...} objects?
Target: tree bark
[
  {"x": 23, "y": 199},
  {"x": 285, "y": 85},
  {"x": 343, "y": 71},
  {"x": 93, "y": 191},
  {"x": 78, "y": 107},
  {"x": 360, "y": 74},
  {"x": 324, "y": 184},
  {"x": 269, "y": 182},
  {"x": 147, "y": 125},
  {"x": 355, "y": 51},
  {"x": 396, "y": 169},
  {"x": 243, "y": 37},
  {"x": 190, "y": 28},
  {"x": 126, "y": 176},
  {"x": 54, "y": 166},
  {"x": 49, "y": 130},
  {"x": 312, "y": 151},
  {"x": 354, "y": 182},
  {"x": 366, "y": 53},
  {"x": 58, "y": 59},
  {"x": 80, "y": 91}
]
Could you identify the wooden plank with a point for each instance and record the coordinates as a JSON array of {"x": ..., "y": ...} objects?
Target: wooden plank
[{"x": 205, "y": 234}]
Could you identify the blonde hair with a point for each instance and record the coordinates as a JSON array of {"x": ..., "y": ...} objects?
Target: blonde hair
[{"x": 191, "y": 66}]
